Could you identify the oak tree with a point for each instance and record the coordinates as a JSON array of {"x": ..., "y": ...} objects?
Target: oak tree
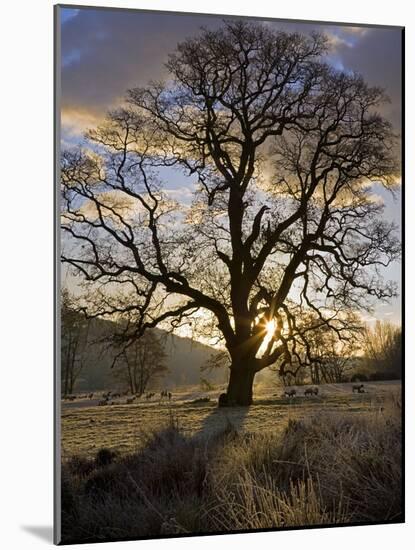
[{"x": 282, "y": 153}]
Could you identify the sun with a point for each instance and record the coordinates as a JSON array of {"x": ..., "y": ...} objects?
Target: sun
[
  {"x": 269, "y": 332},
  {"x": 270, "y": 328}
]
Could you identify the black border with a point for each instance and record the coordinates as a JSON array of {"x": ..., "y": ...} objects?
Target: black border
[
  {"x": 56, "y": 246},
  {"x": 403, "y": 276}
]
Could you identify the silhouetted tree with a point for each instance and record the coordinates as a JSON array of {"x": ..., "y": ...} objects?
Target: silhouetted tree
[
  {"x": 282, "y": 151},
  {"x": 142, "y": 363},
  {"x": 335, "y": 360},
  {"x": 331, "y": 356},
  {"x": 382, "y": 346},
  {"x": 74, "y": 338}
]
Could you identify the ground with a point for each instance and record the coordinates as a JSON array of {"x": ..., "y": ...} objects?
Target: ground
[{"x": 87, "y": 427}]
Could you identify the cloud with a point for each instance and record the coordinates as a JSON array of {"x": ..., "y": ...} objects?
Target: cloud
[
  {"x": 183, "y": 195},
  {"x": 378, "y": 59},
  {"x": 68, "y": 13},
  {"x": 117, "y": 206},
  {"x": 343, "y": 37},
  {"x": 356, "y": 31},
  {"x": 104, "y": 52},
  {"x": 75, "y": 120}
]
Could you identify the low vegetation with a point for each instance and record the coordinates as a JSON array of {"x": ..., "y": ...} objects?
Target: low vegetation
[{"x": 325, "y": 469}]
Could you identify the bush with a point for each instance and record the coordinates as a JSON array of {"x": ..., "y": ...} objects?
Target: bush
[
  {"x": 105, "y": 457},
  {"x": 383, "y": 375}
]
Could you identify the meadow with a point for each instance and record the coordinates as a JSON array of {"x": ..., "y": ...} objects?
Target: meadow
[
  {"x": 165, "y": 468},
  {"x": 87, "y": 427}
]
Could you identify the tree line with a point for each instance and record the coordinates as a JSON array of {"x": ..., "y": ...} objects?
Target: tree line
[{"x": 375, "y": 354}]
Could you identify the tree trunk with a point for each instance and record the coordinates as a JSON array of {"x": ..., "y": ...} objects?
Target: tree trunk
[{"x": 240, "y": 385}]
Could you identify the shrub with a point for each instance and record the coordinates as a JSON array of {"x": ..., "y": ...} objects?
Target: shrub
[{"x": 105, "y": 457}]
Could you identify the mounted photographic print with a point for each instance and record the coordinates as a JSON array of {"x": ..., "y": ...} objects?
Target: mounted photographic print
[{"x": 228, "y": 283}]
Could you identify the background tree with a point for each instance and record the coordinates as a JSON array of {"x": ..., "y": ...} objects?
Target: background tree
[
  {"x": 324, "y": 355},
  {"x": 332, "y": 358},
  {"x": 382, "y": 347},
  {"x": 283, "y": 152},
  {"x": 296, "y": 375},
  {"x": 74, "y": 338},
  {"x": 336, "y": 360},
  {"x": 142, "y": 363}
]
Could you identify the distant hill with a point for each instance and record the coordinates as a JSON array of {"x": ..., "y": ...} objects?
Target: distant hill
[{"x": 184, "y": 359}]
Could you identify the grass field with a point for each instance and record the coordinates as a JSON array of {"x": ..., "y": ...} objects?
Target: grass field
[
  {"x": 153, "y": 469},
  {"x": 87, "y": 427}
]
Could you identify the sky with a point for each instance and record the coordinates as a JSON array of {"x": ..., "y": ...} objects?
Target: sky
[{"x": 105, "y": 52}]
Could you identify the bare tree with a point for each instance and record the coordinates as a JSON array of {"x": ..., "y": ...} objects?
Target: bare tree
[
  {"x": 282, "y": 151},
  {"x": 75, "y": 330},
  {"x": 382, "y": 346},
  {"x": 142, "y": 363},
  {"x": 333, "y": 358},
  {"x": 324, "y": 354}
]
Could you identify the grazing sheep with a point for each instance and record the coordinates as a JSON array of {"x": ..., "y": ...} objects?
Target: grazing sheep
[
  {"x": 290, "y": 393},
  {"x": 311, "y": 391},
  {"x": 166, "y": 394}
]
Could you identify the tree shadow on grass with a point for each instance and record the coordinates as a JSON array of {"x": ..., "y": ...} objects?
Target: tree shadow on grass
[{"x": 221, "y": 419}]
